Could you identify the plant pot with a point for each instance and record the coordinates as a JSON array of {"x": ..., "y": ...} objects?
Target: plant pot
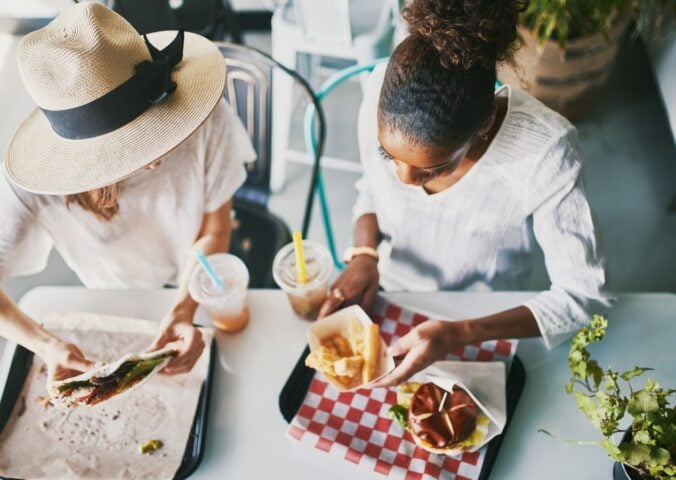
[
  {"x": 566, "y": 80},
  {"x": 622, "y": 471}
]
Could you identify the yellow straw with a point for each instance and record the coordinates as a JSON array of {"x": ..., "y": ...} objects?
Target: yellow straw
[{"x": 301, "y": 266}]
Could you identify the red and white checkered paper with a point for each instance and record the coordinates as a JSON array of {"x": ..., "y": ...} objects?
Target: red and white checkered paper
[{"x": 356, "y": 426}]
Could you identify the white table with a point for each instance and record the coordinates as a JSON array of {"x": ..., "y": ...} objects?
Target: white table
[{"x": 246, "y": 431}]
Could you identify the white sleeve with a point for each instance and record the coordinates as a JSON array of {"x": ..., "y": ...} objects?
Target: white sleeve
[
  {"x": 564, "y": 229},
  {"x": 364, "y": 203},
  {"x": 228, "y": 149},
  {"x": 24, "y": 243}
]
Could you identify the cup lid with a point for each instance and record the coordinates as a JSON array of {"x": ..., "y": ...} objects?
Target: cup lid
[
  {"x": 319, "y": 267},
  {"x": 232, "y": 272}
]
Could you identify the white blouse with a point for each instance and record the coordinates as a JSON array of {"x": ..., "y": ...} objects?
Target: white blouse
[
  {"x": 479, "y": 233},
  {"x": 161, "y": 211}
]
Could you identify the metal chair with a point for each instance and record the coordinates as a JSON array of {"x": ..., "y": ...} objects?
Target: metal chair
[
  {"x": 257, "y": 233},
  {"x": 311, "y": 144},
  {"x": 354, "y": 30}
]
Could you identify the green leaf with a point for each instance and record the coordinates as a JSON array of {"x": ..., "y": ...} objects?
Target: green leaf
[
  {"x": 569, "y": 388},
  {"x": 576, "y": 356},
  {"x": 634, "y": 372},
  {"x": 610, "y": 382},
  {"x": 588, "y": 407},
  {"x": 578, "y": 364},
  {"x": 599, "y": 325},
  {"x": 634, "y": 454},
  {"x": 399, "y": 414},
  {"x": 642, "y": 402},
  {"x": 611, "y": 449},
  {"x": 642, "y": 436},
  {"x": 563, "y": 29},
  {"x": 660, "y": 456},
  {"x": 549, "y": 27},
  {"x": 594, "y": 372}
]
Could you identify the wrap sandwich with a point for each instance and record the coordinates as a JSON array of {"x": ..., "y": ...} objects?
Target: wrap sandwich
[{"x": 110, "y": 380}]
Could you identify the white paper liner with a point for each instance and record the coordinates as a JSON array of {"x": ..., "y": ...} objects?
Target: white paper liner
[
  {"x": 484, "y": 382},
  {"x": 338, "y": 323},
  {"x": 102, "y": 441}
]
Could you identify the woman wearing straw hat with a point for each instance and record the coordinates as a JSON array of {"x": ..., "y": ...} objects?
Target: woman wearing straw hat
[
  {"x": 130, "y": 161},
  {"x": 461, "y": 181}
]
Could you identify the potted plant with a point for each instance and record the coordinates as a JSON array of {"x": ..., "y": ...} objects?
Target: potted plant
[
  {"x": 647, "y": 449},
  {"x": 568, "y": 48}
]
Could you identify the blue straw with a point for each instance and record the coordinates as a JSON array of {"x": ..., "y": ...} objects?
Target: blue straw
[{"x": 209, "y": 269}]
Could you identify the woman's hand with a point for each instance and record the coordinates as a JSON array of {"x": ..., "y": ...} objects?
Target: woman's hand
[
  {"x": 422, "y": 346},
  {"x": 64, "y": 360},
  {"x": 178, "y": 332},
  {"x": 359, "y": 282},
  {"x": 433, "y": 340}
]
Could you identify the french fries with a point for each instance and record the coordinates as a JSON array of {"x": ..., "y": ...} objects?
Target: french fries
[
  {"x": 351, "y": 361},
  {"x": 371, "y": 353},
  {"x": 349, "y": 366}
]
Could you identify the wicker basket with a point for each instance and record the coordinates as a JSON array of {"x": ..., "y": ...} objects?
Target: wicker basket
[{"x": 567, "y": 80}]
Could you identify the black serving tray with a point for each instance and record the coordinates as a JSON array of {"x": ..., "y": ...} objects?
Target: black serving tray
[
  {"x": 194, "y": 450},
  {"x": 298, "y": 383}
]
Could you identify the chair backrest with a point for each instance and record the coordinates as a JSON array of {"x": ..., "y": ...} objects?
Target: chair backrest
[
  {"x": 249, "y": 92},
  {"x": 334, "y": 24},
  {"x": 257, "y": 233},
  {"x": 325, "y": 21}
]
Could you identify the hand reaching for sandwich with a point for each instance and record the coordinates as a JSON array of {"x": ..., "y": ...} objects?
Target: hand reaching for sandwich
[
  {"x": 421, "y": 347},
  {"x": 432, "y": 340},
  {"x": 177, "y": 331},
  {"x": 64, "y": 360}
]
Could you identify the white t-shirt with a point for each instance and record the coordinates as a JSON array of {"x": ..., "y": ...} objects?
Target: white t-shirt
[
  {"x": 479, "y": 233},
  {"x": 146, "y": 243}
]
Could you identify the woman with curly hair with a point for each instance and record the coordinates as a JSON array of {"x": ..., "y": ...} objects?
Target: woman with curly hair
[{"x": 459, "y": 183}]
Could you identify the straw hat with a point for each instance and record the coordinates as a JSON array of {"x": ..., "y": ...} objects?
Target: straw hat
[{"x": 109, "y": 102}]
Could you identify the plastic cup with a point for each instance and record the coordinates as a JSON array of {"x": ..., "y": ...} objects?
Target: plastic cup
[
  {"x": 227, "y": 308},
  {"x": 306, "y": 299}
]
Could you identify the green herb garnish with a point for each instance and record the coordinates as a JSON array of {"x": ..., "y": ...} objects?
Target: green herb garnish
[
  {"x": 150, "y": 446},
  {"x": 399, "y": 414},
  {"x": 141, "y": 370}
]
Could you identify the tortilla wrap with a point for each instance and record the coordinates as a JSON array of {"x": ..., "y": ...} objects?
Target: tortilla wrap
[{"x": 111, "y": 380}]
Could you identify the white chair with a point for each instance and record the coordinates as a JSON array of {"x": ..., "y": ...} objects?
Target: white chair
[{"x": 358, "y": 30}]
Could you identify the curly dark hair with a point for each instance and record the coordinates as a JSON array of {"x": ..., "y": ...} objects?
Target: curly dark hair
[{"x": 439, "y": 83}]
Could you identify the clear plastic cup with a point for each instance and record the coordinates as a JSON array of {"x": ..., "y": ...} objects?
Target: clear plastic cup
[
  {"x": 306, "y": 299},
  {"x": 227, "y": 308}
]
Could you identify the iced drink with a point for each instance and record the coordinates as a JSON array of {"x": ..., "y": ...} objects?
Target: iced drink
[
  {"x": 306, "y": 299},
  {"x": 227, "y": 308}
]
